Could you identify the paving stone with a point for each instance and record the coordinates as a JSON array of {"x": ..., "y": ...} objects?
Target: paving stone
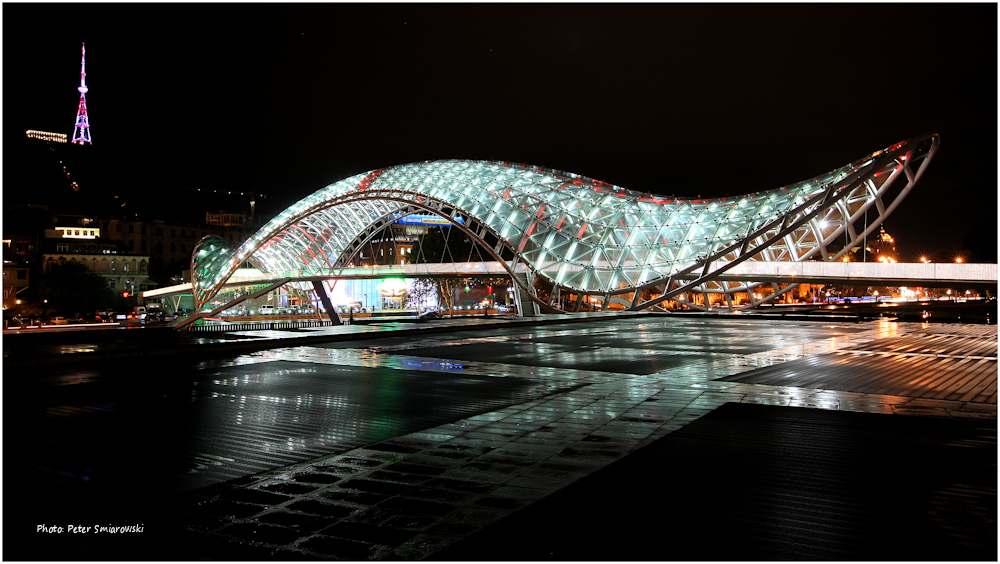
[
  {"x": 411, "y": 468},
  {"x": 222, "y": 549},
  {"x": 354, "y": 461},
  {"x": 407, "y": 521},
  {"x": 418, "y": 506},
  {"x": 454, "y": 529},
  {"x": 228, "y": 509},
  {"x": 397, "y": 477},
  {"x": 516, "y": 492},
  {"x": 508, "y": 460},
  {"x": 260, "y": 532},
  {"x": 372, "y": 516},
  {"x": 360, "y": 498},
  {"x": 419, "y": 547},
  {"x": 299, "y": 521},
  {"x": 507, "y": 503},
  {"x": 582, "y": 465},
  {"x": 383, "y": 535},
  {"x": 470, "y": 486},
  {"x": 476, "y": 449},
  {"x": 441, "y": 495},
  {"x": 291, "y": 555},
  {"x": 317, "y": 478},
  {"x": 321, "y": 509},
  {"x": 375, "y": 486},
  {"x": 438, "y": 459},
  {"x": 395, "y": 447},
  {"x": 480, "y": 476},
  {"x": 338, "y": 548},
  {"x": 289, "y": 488},
  {"x": 201, "y": 523}
]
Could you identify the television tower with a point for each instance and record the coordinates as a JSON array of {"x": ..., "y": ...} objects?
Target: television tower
[{"x": 81, "y": 131}]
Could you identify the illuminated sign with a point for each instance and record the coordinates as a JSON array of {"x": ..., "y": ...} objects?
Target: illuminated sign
[
  {"x": 392, "y": 287},
  {"x": 426, "y": 219},
  {"x": 46, "y": 136},
  {"x": 79, "y": 232}
]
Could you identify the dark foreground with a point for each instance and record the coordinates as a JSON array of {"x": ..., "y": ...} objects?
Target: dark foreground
[{"x": 641, "y": 439}]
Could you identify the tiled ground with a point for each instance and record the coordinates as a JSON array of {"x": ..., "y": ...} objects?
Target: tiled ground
[{"x": 407, "y": 497}]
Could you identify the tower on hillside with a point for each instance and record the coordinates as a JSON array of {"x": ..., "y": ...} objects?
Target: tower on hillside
[{"x": 81, "y": 131}]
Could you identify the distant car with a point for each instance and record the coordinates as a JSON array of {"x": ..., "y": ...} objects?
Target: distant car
[
  {"x": 265, "y": 310},
  {"x": 59, "y": 320}
]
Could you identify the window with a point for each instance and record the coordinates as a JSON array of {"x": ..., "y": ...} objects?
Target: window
[
  {"x": 142, "y": 266},
  {"x": 118, "y": 228},
  {"x": 111, "y": 283},
  {"x": 173, "y": 248},
  {"x": 173, "y": 232},
  {"x": 131, "y": 245},
  {"x": 158, "y": 232},
  {"x": 184, "y": 233},
  {"x": 131, "y": 228},
  {"x": 62, "y": 247},
  {"x": 183, "y": 248},
  {"x": 142, "y": 230},
  {"x": 142, "y": 246}
]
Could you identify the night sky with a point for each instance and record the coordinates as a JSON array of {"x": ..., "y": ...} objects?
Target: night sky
[{"x": 707, "y": 99}]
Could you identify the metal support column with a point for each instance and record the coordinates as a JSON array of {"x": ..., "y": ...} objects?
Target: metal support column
[{"x": 325, "y": 298}]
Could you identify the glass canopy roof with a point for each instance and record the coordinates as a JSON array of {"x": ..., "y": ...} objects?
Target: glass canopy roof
[{"x": 578, "y": 233}]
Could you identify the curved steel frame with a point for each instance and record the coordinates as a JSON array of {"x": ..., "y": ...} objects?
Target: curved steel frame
[{"x": 584, "y": 236}]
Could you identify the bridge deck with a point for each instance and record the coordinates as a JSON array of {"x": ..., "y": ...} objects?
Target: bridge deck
[{"x": 898, "y": 274}]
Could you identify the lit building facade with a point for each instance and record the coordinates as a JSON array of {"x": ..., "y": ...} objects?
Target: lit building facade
[
  {"x": 584, "y": 240},
  {"x": 882, "y": 248},
  {"x": 123, "y": 271}
]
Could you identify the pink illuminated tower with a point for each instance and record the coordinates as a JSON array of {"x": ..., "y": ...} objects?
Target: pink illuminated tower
[{"x": 81, "y": 132}]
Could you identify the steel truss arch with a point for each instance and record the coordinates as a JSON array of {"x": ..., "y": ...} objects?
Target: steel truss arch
[{"x": 582, "y": 236}]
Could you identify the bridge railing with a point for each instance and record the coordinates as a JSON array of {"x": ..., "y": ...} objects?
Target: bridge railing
[{"x": 259, "y": 326}]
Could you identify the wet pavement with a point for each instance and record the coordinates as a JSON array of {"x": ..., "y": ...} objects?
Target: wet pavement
[{"x": 402, "y": 446}]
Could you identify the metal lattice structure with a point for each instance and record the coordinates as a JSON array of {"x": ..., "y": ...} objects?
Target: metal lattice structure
[
  {"x": 81, "y": 130},
  {"x": 582, "y": 236}
]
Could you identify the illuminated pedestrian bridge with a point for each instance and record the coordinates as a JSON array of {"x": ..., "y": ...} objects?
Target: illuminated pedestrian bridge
[{"x": 569, "y": 235}]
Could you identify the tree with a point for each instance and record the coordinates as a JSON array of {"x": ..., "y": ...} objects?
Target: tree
[{"x": 70, "y": 288}]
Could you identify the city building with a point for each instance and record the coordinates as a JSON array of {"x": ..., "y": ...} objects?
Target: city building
[
  {"x": 882, "y": 248},
  {"x": 124, "y": 271},
  {"x": 168, "y": 244}
]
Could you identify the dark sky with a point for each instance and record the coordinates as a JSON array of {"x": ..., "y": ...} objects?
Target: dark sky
[{"x": 685, "y": 99}]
